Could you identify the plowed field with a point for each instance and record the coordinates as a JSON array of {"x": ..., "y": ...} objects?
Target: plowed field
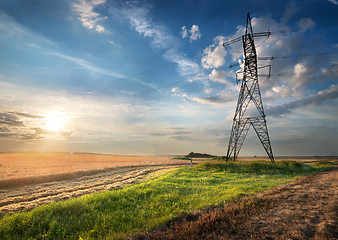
[{"x": 30, "y": 180}]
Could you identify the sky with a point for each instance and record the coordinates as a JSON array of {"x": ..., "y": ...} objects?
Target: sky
[{"x": 153, "y": 77}]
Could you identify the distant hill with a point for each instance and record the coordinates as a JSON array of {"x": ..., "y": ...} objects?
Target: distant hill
[{"x": 199, "y": 155}]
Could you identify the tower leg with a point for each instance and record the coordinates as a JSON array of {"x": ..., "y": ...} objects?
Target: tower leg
[
  {"x": 259, "y": 124},
  {"x": 239, "y": 131}
]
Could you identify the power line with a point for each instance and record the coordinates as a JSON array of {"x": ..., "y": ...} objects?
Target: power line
[
  {"x": 288, "y": 56},
  {"x": 259, "y": 58},
  {"x": 262, "y": 10},
  {"x": 306, "y": 55},
  {"x": 288, "y": 7}
]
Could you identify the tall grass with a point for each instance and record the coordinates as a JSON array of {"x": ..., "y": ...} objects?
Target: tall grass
[{"x": 141, "y": 207}]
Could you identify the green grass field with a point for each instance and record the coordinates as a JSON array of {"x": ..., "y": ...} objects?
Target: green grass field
[{"x": 142, "y": 207}]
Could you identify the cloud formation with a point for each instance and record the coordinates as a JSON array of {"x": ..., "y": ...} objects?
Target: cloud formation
[
  {"x": 306, "y": 24},
  {"x": 18, "y": 125},
  {"x": 106, "y": 72},
  {"x": 87, "y": 65},
  {"x": 186, "y": 66},
  {"x": 331, "y": 71},
  {"x": 184, "y": 32},
  {"x": 213, "y": 56},
  {"x": 289, "y": 12},
  {"x": 90, "y": 19},
  {"x": 210, "y": 100},
  {"x": 108, "y": 111},
  {"x": 194, "y": 32},
  {"x": 139, "y": 18},
  {"x": 290, "y": 77},
  {"x": 218, "y": 76},
  {"x": 10, "y": 120},
  {"x": 335, "y": 2},
  {"x": 18, "y": 32},
  {"x": 308, "y": 101}
]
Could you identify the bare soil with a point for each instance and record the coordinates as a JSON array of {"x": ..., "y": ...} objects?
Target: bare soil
[
  {"x": 304, "y": 209},
  {"x": 30, "y": 180}
]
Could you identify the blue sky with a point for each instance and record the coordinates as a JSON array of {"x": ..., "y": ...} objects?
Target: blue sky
[{"x": 152, "y": 77}]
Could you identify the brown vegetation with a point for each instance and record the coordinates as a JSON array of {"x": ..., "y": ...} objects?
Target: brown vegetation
[{"x": 304, "y": 209}]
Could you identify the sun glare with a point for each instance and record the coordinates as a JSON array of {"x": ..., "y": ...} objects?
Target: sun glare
[{"x": 55, "y": 121}]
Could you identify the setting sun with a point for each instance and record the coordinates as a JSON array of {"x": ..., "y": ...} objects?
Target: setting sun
[{"x": 55, "y": 121}]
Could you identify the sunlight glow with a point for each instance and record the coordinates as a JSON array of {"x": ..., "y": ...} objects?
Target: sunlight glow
[{"x": 55, "y": 121}]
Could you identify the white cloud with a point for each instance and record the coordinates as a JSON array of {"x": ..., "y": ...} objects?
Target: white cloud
[
  {"x": 99, "y": 28},
  {"x": 90, "y": 67},
  {"x": 225, "y": 96},
  {"x": 281, "y": 91},
  {"x": 289, "y": 12},
  {"x": 186, "y": 66},
  {"x": 184, "y": 32},
  {"x": 87, "y": 15},
  {"x": 139, "y": 18},
  {"x": 87, "y": 116},
  {"x": 306, "y": 24},
  {"x": 213, "y": 57},
  {"x": 128, "y": 92},
  {"x": 114, "y": 44},
  {"x": 218, "y": 76},
  {"x": 175, "y": 89},
  {"x": 203, "y": 79},
  {"x": 208, "y": 90},
  {"x": 331, "y": 71},
  {"x": 87, "y": 65},
  {"x": 299, "y": 69},
  {"x": 198, "y": 77},
  {"x": 33, "y": 40},
  {"x": 334, "y": 2},
  {"x": 9, "y": 27},
  {"x": 290, "y": 77},
  {"x": 195, "y": 33},
  {"x": 312, "y": 100},
  {"x": 212, "y": 101}
]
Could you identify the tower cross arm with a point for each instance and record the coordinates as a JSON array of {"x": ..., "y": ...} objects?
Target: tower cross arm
[
  {"x": 232, "y": 41},
  {"x": 260, "y": 34}
]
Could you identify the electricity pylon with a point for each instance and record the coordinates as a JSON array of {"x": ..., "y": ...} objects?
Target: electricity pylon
[{"x": 249, "y": 110}]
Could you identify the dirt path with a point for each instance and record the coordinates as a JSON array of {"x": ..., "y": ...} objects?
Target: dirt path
[
  {"x": 304, "y": 209},
  {"x": 26, "y": 197}
]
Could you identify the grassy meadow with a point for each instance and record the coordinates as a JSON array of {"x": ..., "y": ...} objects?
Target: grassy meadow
[{"x": 152, "y": 203}]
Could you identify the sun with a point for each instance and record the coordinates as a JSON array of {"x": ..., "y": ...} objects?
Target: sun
[{"x": 55, "y": 121}]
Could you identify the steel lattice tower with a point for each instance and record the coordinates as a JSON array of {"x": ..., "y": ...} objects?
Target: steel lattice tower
[{"x": 249, "y": 110}]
